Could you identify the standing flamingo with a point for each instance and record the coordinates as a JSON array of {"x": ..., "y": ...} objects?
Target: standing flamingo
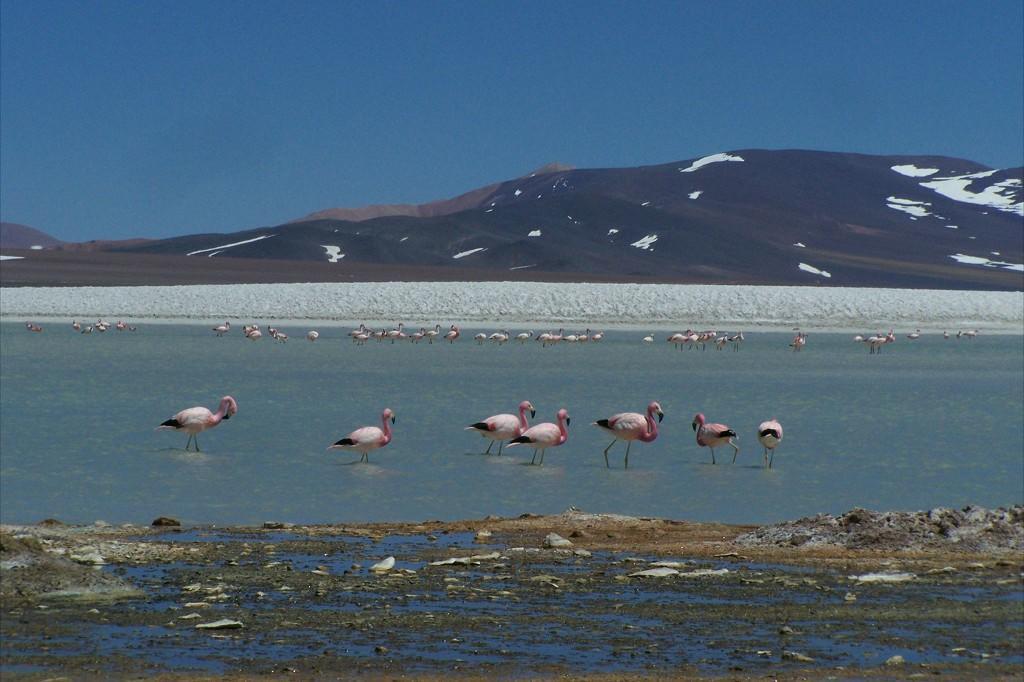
[
  {"x": 195, "y": 420},
  {"x": 631, "y": 426},
  {"x": 74, "y": 325},
  {"x": 431, "y": 334},
  {"x": 368, "y": 438},
  {"x": 914, "y": 335},
  {"x": 649, "y": 338},
  {"x": 502, "y": 427},
  {"x": 713, "y": 435},
  {"x": 312, "y": 335},
  {"x": 222, "y": 329},
  {"x": 770, "y": 435},
  {"x": 452, "y": 334},
  {"x": 544, "y": 436}
]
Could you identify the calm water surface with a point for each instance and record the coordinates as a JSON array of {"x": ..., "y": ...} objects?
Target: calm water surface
[{"x": 924, "y": 424}]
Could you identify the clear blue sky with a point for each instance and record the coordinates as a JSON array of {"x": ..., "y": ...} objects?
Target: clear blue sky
[{"x": 153, "y": 118}]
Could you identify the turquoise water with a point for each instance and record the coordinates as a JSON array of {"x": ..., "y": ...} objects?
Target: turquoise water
[{"x": 929, "y": 423}]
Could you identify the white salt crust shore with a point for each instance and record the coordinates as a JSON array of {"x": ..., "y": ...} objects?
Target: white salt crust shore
[{"x": 525, "y": 303}]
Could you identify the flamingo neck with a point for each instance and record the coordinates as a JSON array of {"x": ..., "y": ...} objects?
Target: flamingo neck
[
  {"x": 652, "y": 428},
  {"x": 563, "y": 433},
  {"x": 523, "y": 424},
  {"x": 386, "y": 429}
]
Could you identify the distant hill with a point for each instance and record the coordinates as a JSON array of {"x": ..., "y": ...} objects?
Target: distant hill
[
  {"x": 15, "y": 236},
  {"x": 746, "y": 216}
]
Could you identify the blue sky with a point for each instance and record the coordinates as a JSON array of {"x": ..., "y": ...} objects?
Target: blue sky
[{"x": 121, "y": 119}]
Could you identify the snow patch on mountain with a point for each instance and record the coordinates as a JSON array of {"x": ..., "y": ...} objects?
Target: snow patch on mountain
[
  {"x": 913, "y": 171},
  {"x": 534, "y": 233},
  {"x": 714, "y": 158},
  {"x": 1001, "y": 195},
  {"x": 463, "y": 254},
  {"x": 813, "y": 270},
  {"x": 228, "y": 246},
  {"x": 645, "y": 242},
  {"x": 334, "y": 253},
  {"x": 981, "y": 260},
  {"x": 914, "y": 208}
]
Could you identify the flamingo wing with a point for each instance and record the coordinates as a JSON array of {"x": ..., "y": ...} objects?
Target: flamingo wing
[{"x": 545, "y": 434}]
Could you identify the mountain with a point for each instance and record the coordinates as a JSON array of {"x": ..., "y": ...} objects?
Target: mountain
[
  {"x": 15, "y": 236},
  {"x": 746, "y": 216}
]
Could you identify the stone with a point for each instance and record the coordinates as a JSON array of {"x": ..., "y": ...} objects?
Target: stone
[
  {"x": 556, "y": 540},
  {"x": 796, "y": 656},
  {"x": 165, "y": 521},
  {"x": 222, "y": 624},
  {"x": 895, "y": 660},
  {"x": 384, "y": 565}
]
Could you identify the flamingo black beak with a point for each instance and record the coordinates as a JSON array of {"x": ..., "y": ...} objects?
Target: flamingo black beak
[
  {"x": 694, "y": 425},
  {"x": 661, "y": 415},
  {"x": 568, "y": 420},
  {"x": 392, "y": 419},
  {"x": 227, "y": 416},
  {"x": 533, "y": 413}
]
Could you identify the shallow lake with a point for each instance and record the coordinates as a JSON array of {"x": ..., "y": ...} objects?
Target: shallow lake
[{"x": 928, "y": 423}]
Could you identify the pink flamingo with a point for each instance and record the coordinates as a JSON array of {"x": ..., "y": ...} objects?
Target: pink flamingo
[
  {"x": 502, "y": 427},
  {"x": 799, "y": 341},
  {"x": 713, "y": 435},
  {"x": 222, "y": 329},
  {"x": 452, "y": 334},
  {"x": 74, "y": 325},
  {"x": 195, "y": 420},
  {"x": 431, "y": 334},
  {"x": 312, "y": 335},
  {"x": 769, "y": 433},
  {"x": 544, "y": 436},
  {"x": 368, "y": 438},
  {"x": 631, "y": 426}
]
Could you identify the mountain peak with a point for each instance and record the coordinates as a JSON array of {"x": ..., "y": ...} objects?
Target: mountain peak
[{"x": 553, "y": 167}]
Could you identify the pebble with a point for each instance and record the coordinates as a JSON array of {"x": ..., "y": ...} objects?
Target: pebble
[
  {"x": 796, "y": 656},
  {"x": 850, "y": 597},
  {"x": 895, "y": 660},
  {"x": 483, "y": 535},
  {"x": 581, "y": 552},
  {"x": 92, "y": 558},
  {"x": 223, "y": 624},
  {"x": 165, "y": 521},
  {"x": 556, "y": 540},
  {"x": 190, "y": 616},
  {"x": 384, "y": 565}
]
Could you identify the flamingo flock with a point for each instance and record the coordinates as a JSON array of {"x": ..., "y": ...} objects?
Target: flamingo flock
[
  {"x": 692, "y": 340},
  {"x": 511, "y": 429}
]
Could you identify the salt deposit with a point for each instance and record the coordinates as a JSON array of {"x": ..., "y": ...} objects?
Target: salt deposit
[{"x": 669, "y": 305}]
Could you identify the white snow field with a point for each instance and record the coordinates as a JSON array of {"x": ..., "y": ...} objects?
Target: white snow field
[
  {"x": 625, "y": 305},
  {"x": 714, "y": 158}
]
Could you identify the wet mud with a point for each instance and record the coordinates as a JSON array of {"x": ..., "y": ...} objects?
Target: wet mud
[{"x": 573, "y": 594}]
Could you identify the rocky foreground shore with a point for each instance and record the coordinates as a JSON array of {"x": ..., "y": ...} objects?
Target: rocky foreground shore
[{"x": 896, "y": 594}]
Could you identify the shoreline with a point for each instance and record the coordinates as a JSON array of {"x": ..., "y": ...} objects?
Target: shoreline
[
  {"x": 537, "y": 304},
  {"x": 532, "y": 596}
]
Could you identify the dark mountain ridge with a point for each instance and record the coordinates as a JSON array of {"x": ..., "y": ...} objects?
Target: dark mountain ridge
[{"x": 783, "y": 217}]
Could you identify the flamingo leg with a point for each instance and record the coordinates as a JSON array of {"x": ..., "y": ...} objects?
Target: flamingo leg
[
  {"x": 500, "y": 446},
  {"x": 534, "y": 460},
  {"x": 771, "y": 460},
  {"x": 608, "y": 466},
  {"x": 735, "y": 451},
  {"x": 628, "y": 446},
  {"x": 542, "y": 456},
  {"x": 189, "y": 442},
  {"x": 196, "y": 441},
  {"x": 488, "y": 450}
]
